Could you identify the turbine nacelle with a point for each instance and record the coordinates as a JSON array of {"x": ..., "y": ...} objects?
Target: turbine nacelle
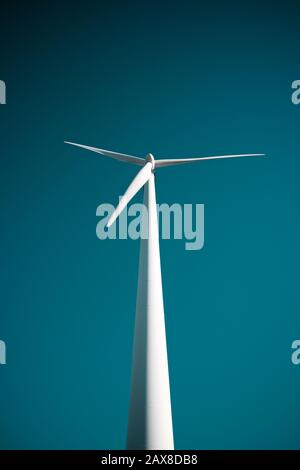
[{"x": 150, "y": 158}]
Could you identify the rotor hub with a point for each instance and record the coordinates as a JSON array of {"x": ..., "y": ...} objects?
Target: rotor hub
[{"x": 150, "y": 159}]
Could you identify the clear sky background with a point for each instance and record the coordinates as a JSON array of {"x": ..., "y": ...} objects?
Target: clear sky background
[{"x": 176, "y": 79}]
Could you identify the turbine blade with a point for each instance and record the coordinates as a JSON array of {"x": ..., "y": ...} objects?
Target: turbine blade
[
  {"x": 181, "y": 161},
  {"x": 137, "y": 183},
  {"x": 122, "y": 157}
]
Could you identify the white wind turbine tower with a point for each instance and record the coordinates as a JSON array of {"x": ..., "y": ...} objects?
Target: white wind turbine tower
[{"x": 150, "y": 417}]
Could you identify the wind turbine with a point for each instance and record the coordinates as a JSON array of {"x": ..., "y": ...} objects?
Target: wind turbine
[{"x": 150, "y": 417}]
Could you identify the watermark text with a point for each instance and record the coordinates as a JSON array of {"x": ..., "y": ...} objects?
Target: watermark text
[
  {"x": 2, "y": 352},
  {"x": 176, "y": 221},
  {"x": 2, "y": 92},
  {"x": 296, "y": 94},
  {"x": 295, "y": 357}
]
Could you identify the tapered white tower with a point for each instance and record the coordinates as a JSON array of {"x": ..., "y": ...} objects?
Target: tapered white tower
[{"x": 150, "y": 418}]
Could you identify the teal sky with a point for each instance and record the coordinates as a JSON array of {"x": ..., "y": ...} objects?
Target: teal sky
[{"x": 176, "y": 79}]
